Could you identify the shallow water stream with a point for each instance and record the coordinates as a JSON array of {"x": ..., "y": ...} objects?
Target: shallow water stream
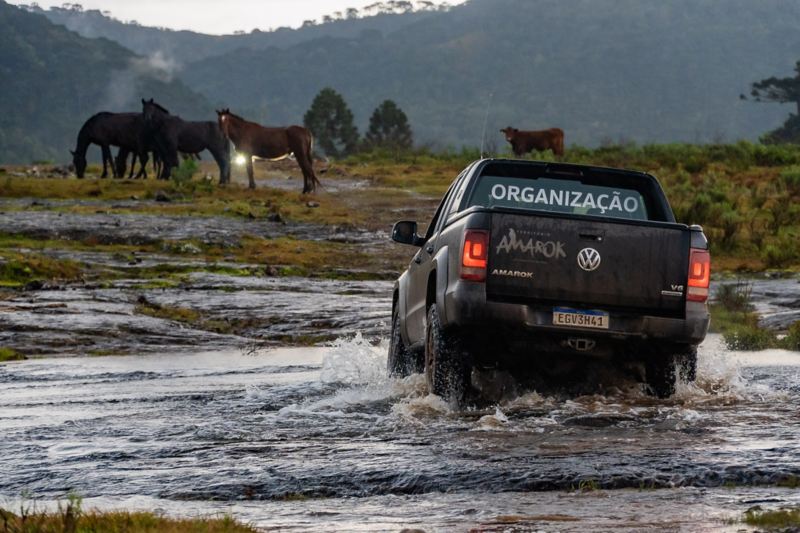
[{"x": 319, "y": 439}]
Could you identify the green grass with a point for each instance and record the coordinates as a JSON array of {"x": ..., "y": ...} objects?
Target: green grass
[
  {"x": 7, "y": 354},
  {"x": 66, "y": 521},
  {"x": 773, "y": 520},
  {"x": 18, "y": 269},
  {"x": 745, "y": 195}
]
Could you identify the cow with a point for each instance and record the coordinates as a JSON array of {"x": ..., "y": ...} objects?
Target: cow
[{"x": 523, "y": 142}]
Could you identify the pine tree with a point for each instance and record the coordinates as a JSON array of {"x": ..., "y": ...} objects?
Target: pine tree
[
  {"x": 388, "y": 128},
  {"x": 783, "y": 91},
  {"x": 331, "y": 122}
]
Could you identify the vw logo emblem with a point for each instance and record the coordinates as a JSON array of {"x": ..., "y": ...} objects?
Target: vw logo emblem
[{"x": 589, "y": 259}]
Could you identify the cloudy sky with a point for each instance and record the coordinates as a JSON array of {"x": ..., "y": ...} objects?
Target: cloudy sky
[{"x": 217, "y": 16}]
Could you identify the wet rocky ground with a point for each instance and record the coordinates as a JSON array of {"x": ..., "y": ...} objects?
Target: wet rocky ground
[
  {"x": 192, "y": 403},
  {"x": 228, "y": 311},
  {"x": 102, "y": 227}
]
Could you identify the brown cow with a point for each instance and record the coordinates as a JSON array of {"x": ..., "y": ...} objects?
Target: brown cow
[{"x": 523, "y": 142}]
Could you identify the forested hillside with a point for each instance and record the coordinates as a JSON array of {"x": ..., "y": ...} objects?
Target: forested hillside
[
  {"x": 53, "y": 80},
  {"x": 629, "y": 70},
  {"x": 603, "y": 70}
]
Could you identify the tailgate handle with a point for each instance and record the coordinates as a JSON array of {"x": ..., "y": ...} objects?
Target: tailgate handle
[{"x": 591, "y": 237}]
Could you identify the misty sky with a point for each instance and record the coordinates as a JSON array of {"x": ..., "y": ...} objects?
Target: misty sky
[{"x": 217, "y": 16}]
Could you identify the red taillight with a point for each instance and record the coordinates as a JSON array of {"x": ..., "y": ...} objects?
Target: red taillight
[
  {"x": 699, "y": 275},
  {"x": 474, "y": 255}
]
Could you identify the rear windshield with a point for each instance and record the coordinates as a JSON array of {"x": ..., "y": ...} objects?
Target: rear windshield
[{"x": 559, "y": 196}]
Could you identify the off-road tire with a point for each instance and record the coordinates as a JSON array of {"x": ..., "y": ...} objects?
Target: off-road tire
[
  {"x": 667, "y": 364},
  {"x": 401, "y": 362},
  {"x": 447, "y": 365}
]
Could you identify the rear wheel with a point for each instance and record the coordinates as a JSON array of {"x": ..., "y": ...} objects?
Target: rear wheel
[
  {"x": 447, "y": 366},
  {"x": 665, "y": 365},
  {"x": 401, "y": 361}
]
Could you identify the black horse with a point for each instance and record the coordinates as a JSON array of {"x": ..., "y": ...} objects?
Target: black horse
[
  {"x": 106, "y": 129},
  {"x": 171, "y": 134}
]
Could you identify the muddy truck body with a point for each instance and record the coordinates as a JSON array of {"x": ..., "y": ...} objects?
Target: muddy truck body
[{"x": 529, "y": 264}]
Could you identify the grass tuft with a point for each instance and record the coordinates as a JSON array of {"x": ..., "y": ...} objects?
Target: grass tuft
[
  {"x": 772, "y": 520},
  {"x": 7, "y": 354}
]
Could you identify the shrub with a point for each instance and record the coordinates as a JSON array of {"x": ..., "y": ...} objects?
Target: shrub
[
  {"x": 792, "y": 339},
  {"x": 750, "y": 338},
  {"x": 184, "y": 173},
  {"x": 790, "y": 178},
  {"x": 735, "y": 297},
  {"x": 781, "y": 252}
]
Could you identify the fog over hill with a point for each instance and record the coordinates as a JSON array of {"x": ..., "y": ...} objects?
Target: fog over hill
[
  {"x": 603, "y": 70},
  {"x": 53, "y": 80}
]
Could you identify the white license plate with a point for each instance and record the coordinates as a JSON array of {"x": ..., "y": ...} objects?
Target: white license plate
[{"x": 577, "y": 318}]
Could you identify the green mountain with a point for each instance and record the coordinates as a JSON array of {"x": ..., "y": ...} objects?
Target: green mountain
[
  {"x": 53, "y": 80},
  {"x": 603, "y": 70}
]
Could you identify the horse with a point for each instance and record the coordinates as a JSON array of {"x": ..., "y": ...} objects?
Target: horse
[
  {"x": 121, "y": 161},
  {"x": 274, "y": 144},
  {"x": 171, "y": 135},
  {"x": 105, "y": 130},
  {"x": 523, "y": 142}
]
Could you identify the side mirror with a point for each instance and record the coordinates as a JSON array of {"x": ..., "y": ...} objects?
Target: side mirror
[{"x": 405, "y": 232}]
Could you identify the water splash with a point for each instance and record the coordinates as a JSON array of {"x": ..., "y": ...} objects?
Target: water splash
[{"x": 355, "y": 361}]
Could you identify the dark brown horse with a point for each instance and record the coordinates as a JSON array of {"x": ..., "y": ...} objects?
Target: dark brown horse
[
  {"x": 172, "y": 135},
  {"x": 255, "y": 140},
  {"x": 523, "y": 142},
  {"x": 105, "y": 130}
]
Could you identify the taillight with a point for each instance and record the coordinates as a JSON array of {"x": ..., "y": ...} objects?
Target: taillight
[
  {"x": 699, "y": 275},
  {"x": 475, "y": 254}
]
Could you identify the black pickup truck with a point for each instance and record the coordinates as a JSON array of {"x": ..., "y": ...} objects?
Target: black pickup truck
[{"x": 525, "y": 261}]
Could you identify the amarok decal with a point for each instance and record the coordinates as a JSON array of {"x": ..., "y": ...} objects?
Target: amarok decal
[{"x": 547, "y": 249}]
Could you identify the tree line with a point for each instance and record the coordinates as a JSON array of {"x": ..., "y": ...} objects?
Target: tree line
[{"x": 331, "y": 121}]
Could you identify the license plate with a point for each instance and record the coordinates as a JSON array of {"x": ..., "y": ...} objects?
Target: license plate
[{"x": 578, "y": 318}]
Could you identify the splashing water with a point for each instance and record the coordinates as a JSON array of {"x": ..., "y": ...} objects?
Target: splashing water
[{"x": 355, "y": 361}]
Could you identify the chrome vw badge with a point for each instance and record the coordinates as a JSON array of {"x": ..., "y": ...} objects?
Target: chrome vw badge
[{"x": 589, "y": 259}]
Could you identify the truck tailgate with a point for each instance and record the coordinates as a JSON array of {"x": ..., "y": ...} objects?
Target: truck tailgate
[{"x": 642, "y": 267}]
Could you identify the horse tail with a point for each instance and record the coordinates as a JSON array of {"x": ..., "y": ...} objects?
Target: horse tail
[{"x": 311, "y": 158}]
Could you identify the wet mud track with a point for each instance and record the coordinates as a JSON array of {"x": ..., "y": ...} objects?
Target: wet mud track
[{"x": 319, "y": 439}]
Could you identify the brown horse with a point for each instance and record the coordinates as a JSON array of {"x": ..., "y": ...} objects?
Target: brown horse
[{"x": 254, "y": 140}]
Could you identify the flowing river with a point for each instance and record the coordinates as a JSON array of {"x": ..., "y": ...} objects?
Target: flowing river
[{"x": 318, "y": 439}]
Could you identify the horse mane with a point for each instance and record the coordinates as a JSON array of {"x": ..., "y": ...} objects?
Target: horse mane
[
  {"x": 160, "y": 107},
  {"x": 241, "y": 119},
  {"x": 96, "y": 116},
  {"x": 90, "y": 122}
]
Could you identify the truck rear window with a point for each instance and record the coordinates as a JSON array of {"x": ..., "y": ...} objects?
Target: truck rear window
[{"x": 559, "y": 196}]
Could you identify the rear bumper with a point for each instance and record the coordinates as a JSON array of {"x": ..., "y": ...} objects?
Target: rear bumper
[{"x": 465, "y": 306}]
